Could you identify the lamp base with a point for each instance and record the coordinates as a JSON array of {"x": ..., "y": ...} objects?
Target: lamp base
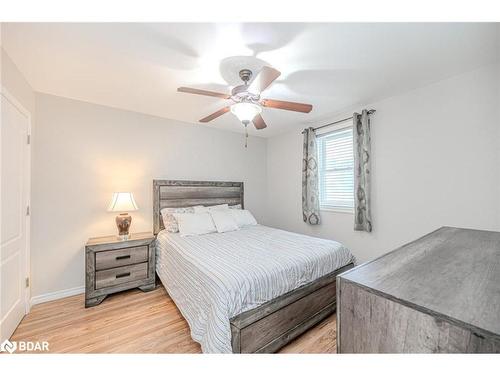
[{"x": 123, "y": 222}]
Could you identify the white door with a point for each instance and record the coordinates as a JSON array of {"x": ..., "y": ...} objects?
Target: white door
[{"x": 15, "y": 164}]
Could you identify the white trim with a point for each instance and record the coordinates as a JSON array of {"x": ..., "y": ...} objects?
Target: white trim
[
  {"x": 57, "y": 295},
  {"x": 12, "y": 99}
]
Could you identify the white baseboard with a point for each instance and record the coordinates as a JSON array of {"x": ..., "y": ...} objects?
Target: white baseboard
[{"x": 56, "y": 295}]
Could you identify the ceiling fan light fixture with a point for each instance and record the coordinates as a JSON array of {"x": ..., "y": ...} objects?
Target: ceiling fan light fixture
[{"x": 246, "y": 111}]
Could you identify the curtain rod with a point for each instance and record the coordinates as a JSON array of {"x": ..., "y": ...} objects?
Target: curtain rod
[{"x": 370, "y": 112}]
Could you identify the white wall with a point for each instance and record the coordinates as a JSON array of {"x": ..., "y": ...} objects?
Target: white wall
[
  {"x": 15, "y": 83},
  {"x": 83, "y": 152},
  {"x": 497, "y": 105},
  {"x": 435, "y": 162}
]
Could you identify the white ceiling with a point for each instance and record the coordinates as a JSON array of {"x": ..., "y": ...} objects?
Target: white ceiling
[{"x": 333, "y": 66}]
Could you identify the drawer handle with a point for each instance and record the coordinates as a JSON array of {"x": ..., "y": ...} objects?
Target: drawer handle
[
  {"x": 123, "y": 257},
  {"x": 122, "y": 275}
]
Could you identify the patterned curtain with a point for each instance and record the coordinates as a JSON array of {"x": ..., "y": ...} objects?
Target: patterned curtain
[
  {"x": 310, "y": 189},
  {"x": 362, "y": 172}
]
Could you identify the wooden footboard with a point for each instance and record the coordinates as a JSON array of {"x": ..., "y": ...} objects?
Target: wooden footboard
[{"x": 272, "y": 325}]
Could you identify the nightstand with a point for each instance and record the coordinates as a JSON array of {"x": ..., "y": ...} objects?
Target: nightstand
[{"x": 113, "y": 265}]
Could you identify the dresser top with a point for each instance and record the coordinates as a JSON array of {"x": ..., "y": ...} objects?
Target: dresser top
[
  {"x": 451, "y": 272},
  {"x": 114, "y": 239}
]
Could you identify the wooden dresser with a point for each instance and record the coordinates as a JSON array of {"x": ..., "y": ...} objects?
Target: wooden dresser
[
  {"x": 438, "y": 294},
  {"x": 113, "y": 265}
]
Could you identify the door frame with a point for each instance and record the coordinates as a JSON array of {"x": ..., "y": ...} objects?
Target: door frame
[{"x": 27, "y": 255}]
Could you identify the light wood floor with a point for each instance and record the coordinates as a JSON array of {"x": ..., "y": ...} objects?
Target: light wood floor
[{"x": 134, "y": 322}]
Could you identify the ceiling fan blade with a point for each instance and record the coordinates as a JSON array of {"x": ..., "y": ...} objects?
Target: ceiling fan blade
[
  {"x": 203, "y": 92},
  {"x": 289, "y": 106},
  {"x": 265, "y": 77},
  {"x": 259, "y": 123},
  {"x": 214, "y": 115}
]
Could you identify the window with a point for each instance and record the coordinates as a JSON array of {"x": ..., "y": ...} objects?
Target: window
[{"x": 336, "y": 170}]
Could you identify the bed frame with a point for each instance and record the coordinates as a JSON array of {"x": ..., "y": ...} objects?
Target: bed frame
[{"x": 272, "y": 325}]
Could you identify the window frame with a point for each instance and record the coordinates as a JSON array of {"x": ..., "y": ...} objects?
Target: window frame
[{"x": 323, "y": 207}]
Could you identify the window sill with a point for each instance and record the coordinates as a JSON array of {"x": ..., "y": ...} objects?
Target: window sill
[{"x": 338, "y": 210}]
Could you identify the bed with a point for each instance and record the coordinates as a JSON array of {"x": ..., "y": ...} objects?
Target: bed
[{"x": 246, "y": 291}]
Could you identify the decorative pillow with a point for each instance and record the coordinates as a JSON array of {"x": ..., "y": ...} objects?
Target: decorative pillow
[
  {"x": 224, "y": 221},
  {"x": 243, "y": 218},
  {"x": 236, "y": 207},
  {"x": 169, "y": 221},
  {"x": 191, "y": 224}
]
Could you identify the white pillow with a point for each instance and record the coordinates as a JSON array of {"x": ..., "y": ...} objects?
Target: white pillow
[
  {"x": 218, "y": 207},
  {"x": 201, "y": 209},
  {"x": 243, "y": 217},
  {"x": 224, "y": 221},
  {"x": 194, "y": 224},
  {"x": 236, "y": 207},
  {"x": 169, "y": 221}
]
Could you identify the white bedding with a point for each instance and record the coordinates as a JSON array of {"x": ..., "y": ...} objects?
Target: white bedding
[{"x": 216, "y": 276}]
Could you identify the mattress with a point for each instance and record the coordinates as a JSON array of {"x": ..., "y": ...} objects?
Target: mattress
[{"x": 214, "y": 277}]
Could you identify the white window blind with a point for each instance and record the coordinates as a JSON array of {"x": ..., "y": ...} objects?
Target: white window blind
[{"x": 336, "y": 169}]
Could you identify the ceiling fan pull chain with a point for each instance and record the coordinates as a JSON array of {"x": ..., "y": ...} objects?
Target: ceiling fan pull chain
[{"x": 246, "y": 136}]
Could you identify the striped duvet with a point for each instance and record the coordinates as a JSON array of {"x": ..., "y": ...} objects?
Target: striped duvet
[{"x": 214, "y": 277}]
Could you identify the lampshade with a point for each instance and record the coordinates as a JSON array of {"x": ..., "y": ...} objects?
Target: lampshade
[
  {"x": 122, "y": 202},
  {"x": 245, "y": 111}
]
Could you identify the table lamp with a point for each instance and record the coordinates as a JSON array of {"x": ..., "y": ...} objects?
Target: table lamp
[{"x": 124, "y": 203}]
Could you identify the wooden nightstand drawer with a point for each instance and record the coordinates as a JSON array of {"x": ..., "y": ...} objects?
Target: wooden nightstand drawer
[
  {"x": 120, "y": 275},
  {"x": 122, "y": 257}
]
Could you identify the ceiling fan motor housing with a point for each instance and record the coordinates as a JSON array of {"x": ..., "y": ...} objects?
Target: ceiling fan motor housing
[{"x": 241, "y": 94}]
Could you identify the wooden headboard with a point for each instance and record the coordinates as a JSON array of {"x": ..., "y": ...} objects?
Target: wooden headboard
[{"x": 179, "y": 193}]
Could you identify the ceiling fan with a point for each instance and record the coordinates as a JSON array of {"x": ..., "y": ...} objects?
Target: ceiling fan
[{"x": 248, "y": 104}]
